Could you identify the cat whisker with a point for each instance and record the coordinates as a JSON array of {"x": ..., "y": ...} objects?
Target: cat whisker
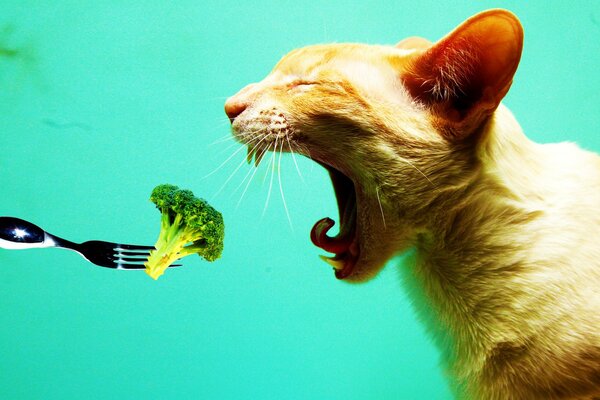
[
  {"x": 272, "y": 162},
  {"x": 227, "y": 148},
  {"x": 221, "y": 122},
  {"x": 421, "y": 172},
  {"x": 223, "y": 163},
  {"x": 294, "y": 158},
  {"x": 304, "y": 150},
  {"x": 248, "y": 143},
  {"x": 256, "y": 150},
  {"x": 251, "y": 151},
  {"x": 287, "y": 213},
  {"x": 380, "y": 206},
  {"x": 254, "y": 170},
  {"x": 243, "y": 181},
  {"x": 259, "y": 156},
  {"x": 223, "y": 139},
  {"x": 266, "y": 150},
  {"x": 230, "y": 177}
]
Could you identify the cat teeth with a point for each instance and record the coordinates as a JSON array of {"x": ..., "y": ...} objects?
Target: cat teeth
[
  {"x": 337, "y": 265},
  {"x": 257, "y": 153},
  {"x": 259, "y": 156}
]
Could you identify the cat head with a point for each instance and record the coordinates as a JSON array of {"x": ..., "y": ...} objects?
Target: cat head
[{"x": 385, "y": 121}]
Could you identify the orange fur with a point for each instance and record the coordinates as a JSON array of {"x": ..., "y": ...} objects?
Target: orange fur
[{"x": 505, "y": 267}]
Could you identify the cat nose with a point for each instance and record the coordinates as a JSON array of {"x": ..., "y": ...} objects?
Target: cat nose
[{"x": 233, "y": 108}]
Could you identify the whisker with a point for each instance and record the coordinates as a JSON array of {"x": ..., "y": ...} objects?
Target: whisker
[
  {"x": 255, "y": 140},
  {"x": 308, "y": 153},
  {"x": 227, "y": 148},
  {"x": 259, "y": 156},
  {"x": 380, "y": 206},
  {"x": 268, "y": 148},
  {"x": 247, "y": 144},
  {"x": 421, "y": 172},
  {"x": 294, "y": 158},
  {"x": 287, "y": 213},
  {"x": 225, "y": 138},
  {"x": 228, "y": 179},
  {"x": 272, "y": 161},
  {"x": 250, "y": 169},
  {"x": 247, "y": 186},
  {"x": 304, "y": 150},
  {"x": 242, "y": 147},
  {"x": 222, "y": 122},
  {"x": 224, "y": 162}
]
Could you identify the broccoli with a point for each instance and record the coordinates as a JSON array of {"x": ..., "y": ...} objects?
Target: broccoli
[{"x": 189, "y": 225}]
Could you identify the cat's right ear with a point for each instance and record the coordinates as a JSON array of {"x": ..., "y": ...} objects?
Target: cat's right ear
[{"x": 463, "y": 77}]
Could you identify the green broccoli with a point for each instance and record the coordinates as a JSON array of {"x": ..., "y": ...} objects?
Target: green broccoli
[{"x": 189, "y": 225}]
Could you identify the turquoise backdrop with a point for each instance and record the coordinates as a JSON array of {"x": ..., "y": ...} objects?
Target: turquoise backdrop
[{"x": 102, "y": 100}]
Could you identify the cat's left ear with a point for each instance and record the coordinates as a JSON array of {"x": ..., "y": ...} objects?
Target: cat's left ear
[
  {"x": 463, "y": 77},
  {"x": 414, "y": 43}
]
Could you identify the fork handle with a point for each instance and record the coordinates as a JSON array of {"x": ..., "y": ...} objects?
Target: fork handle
[
  {"x": 55, "y": 241},
  {"x": 47, "y": 240},
  {"x": 18, "y": 234}
]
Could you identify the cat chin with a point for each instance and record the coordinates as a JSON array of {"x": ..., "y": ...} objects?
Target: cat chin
[{"x": 377, "y": 249}]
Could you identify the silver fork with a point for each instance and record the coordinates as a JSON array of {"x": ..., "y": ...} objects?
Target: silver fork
[{"x": 18, "y": 234}]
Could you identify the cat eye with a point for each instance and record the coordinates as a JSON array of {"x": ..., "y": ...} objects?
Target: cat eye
[
  {"x": 302, "y": 85},
  {"x": 305, "y": 83}
]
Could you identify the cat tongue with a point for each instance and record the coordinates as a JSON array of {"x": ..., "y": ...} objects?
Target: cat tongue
[
  {"x": 338, "y": 244},
  {"x": 343, "y": 245}
]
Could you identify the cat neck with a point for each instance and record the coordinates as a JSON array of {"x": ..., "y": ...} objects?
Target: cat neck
[{"x": 469, "y": 252}]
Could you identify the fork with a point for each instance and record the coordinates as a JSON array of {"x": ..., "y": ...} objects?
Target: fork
[{"x": 18, "y": 234}]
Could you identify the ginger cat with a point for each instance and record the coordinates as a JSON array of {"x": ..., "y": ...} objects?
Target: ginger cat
[{"x": 505, "y": 266}]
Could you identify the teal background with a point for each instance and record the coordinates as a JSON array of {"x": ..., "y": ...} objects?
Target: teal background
[{"x": 100, "y": 101}]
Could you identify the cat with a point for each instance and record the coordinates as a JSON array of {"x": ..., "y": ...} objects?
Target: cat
[{"x": 502, "y": 234}]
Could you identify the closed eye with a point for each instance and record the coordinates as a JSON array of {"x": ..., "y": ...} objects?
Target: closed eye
[
  {"x": 300, "y": 87},
  {"x": 302, "y": 84}
]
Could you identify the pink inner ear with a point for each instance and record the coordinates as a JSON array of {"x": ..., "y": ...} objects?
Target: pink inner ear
[{"x": 471, "y": 68}]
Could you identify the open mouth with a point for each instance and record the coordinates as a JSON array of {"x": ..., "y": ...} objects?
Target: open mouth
[{"x": 344, "y": 245}]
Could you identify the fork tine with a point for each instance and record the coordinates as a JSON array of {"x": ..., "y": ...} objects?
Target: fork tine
[
  {"x": 132, "y": 253},
  {"x": 135, "y": 254},
  {"x": 133, "y": 247},
  {"x": 129, "y": 266},
  {"x": 131, "y": 260},
  {"x": 132, "y": 257},
  {"x": 136, "y": 266}
]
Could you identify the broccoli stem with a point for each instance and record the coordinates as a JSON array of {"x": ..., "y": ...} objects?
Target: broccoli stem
[
  {"x": 169, "y": 246},
  {"x": 189, "y": 225},
  {"x": 191, "y": 249},
  {"x": 165, "y": 223}
]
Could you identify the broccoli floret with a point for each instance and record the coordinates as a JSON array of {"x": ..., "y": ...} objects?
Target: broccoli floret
[{"x": 189, "y": 225}]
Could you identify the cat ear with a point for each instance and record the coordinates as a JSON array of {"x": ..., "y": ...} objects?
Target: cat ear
[
  {"x": 465, "y": 75},
  {"x": 414, "y": 43}
]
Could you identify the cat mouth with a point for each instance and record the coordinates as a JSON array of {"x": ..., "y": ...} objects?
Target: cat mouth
[{"x": 344, "y": 245}]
